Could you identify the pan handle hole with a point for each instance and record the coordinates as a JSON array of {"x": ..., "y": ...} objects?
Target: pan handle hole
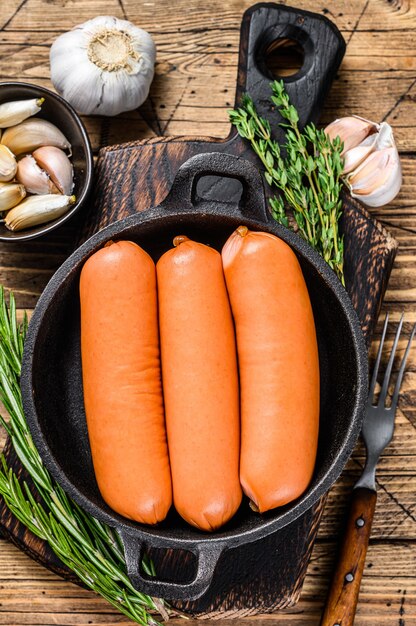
[
  {"x": 221, "y": 189},
  {"x": 284, "y": 57},
  {"x": 176, "y": 566}
]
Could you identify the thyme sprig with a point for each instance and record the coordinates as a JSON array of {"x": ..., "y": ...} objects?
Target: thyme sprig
[
  {"x": 89, "y": 548},
  {"x": 308, "y": 175}
]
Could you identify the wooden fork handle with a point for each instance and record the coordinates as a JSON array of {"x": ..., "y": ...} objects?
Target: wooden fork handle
[{"x": 342, "y": 599}]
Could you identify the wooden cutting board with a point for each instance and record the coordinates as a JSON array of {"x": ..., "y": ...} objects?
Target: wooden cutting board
[{"x": 267, "y": 575}]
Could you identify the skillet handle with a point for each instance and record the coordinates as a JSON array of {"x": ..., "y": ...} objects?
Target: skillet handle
[
  {"x": 182, "y": 195},
  {"x": 207, "y": 555}
]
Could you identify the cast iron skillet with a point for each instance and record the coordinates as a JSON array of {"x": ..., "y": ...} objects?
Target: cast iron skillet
[{"x": 52, "y": 387}]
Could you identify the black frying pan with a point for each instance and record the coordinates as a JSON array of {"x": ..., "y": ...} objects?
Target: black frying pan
[{"x": 52, "y": 386}]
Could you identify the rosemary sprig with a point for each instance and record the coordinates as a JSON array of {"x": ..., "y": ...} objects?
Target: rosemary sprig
[
  {"x": 91, "y": 549},
  {"x": 307, "y": 176}
]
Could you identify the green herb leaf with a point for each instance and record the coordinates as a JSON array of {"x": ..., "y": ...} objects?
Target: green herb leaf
[
  {"x": 308, "y": 177},
  {"x": 91, "y": 549}
]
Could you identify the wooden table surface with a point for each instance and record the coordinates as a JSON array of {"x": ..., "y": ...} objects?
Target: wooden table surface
[{"x": 197, "y": 45}]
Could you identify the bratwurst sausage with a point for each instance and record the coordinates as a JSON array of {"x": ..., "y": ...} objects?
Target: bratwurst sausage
[
  {"x": 122, "y": 381},
  {"x": 278, "y": 364},
  {"x": 200, "y": 383}
]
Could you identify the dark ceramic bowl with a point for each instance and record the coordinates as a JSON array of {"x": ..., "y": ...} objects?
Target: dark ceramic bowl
[
  {"x": 56, "y": 110},
  {"x": 52, "y": 385}
]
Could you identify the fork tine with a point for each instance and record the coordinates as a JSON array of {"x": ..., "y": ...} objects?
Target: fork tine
[
  {"x": 386, "y": 381},
  {"x": 401, "y": 371},
  {"x": 378, "y": 359}
]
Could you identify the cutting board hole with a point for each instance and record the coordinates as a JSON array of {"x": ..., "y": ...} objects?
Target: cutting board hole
[{"x": 284, "y": 57}]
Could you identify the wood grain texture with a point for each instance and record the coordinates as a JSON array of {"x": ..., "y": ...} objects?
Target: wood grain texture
[
  {"x": 194, "y": 84},
  {"x": 340, "y": 605},
  {"x": 267, "y": 575}
]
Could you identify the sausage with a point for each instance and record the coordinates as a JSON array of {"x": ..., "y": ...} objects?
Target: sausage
[
  {"x": 122, "y": 381},
  {"x": 278, "y": 365},
  {"x": 200, "y": 383}
]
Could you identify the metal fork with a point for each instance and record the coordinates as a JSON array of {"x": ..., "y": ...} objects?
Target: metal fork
[{"x": 377, "y": 432}]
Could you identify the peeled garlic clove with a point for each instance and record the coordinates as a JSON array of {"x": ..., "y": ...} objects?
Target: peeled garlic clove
[
  {"x": 57, "y": 165},
  {"x": 378, "y": 180},
  {"x": 12, "y": 113},
  {"x": 32, "y": 134},
  {"x": 351, "y": 130},
  {"x": 33, "y": 177},
  {"x": 8, "y": 165},
  {"x": 10, "y": 195},
  {"x": 37, "y": 210}
]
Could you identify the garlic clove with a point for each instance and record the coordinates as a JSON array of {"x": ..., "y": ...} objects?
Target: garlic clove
[
  {"x": 37, "y": 210},
  {"x": 372, "y": 168},
  {"x": 33, "y": 133},
  {"x": 10, "y": 195},
  {"x": 8, "y": 165},
  {"x": 364, "y": 179},
  {"x": 384, "y": 137},
  {"x": 378, "y": 179},
  {"x": 12, "y": 113},
  {"x": 352, "y": 131},
  {"x": 58, "y": 167},
  {"x": 355, "y": 156},
  {"x": 33, "y": 177}
]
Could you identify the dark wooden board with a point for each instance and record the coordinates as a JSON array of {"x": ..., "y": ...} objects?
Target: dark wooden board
[{"x": 132, "y": 177}]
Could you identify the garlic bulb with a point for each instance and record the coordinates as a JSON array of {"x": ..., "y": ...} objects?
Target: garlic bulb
[
  {"x": 372, "y": 169},
  {"x": 104, "y": 66}
]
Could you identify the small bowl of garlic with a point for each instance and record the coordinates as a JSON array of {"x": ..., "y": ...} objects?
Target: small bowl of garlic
[{"x": 46, "y": 161}]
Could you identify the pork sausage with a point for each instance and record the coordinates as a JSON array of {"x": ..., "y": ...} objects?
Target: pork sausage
[
  {"x": 278, "y": 365},
  {"x": 200, "y": 383},
  {"x": 122, "y": 381}
]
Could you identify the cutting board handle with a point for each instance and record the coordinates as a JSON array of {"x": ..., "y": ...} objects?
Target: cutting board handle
[
  {"x": 323, "y": 47},
  {"x": 183, "y": 195}
]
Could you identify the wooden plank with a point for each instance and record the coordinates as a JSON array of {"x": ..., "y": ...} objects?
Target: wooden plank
[
  {"x": 194, "y": 84},
  {"x": 395, "y": 515},
  {"x": 42, "y": 598},
  {"x": 189, "y": 53},
  {"x": 153, "y": 16},
  {"x": 199, "y": 113}
]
